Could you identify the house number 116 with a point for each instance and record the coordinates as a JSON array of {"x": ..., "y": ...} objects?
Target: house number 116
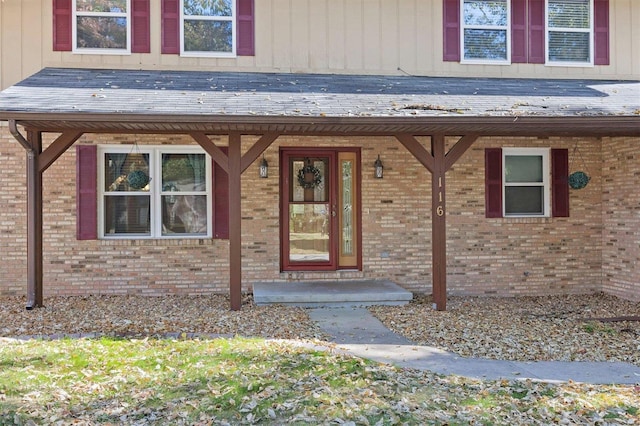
[{"x": 440, "y": 208}]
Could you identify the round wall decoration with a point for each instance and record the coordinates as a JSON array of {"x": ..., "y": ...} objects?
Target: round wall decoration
[
  {"x": 306, "y": 182},
  {"x": 578, "y": 180}
]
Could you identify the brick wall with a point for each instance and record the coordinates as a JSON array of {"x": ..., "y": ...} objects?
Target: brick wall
[
  {"x": 484, "y": 256},
  {"x": 621, "y": 217}
]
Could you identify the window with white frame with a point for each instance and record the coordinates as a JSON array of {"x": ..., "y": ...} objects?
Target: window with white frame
[
  {"x": 569, "y": 32},
  {"x": 208, "y": 28},
  {"x": 485, "y": 31},
  {"x": 526, "y": 182},
  {"x": 103, "y": 26},
  {"x": 154, "y": 192}
]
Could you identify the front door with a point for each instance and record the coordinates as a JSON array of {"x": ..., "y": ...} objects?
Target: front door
[{"x": 320, "y": 209}]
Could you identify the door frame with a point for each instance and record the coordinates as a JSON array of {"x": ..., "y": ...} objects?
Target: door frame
[{"x": 285, "y": 176}]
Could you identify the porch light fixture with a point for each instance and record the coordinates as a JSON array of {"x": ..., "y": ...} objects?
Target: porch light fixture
[
  {"x": 378, "y": 168},
  {"x": 264, "y": 168}
]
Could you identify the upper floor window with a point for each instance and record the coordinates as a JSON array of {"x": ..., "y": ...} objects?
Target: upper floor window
[
  {"x": 485, "y": 31},
  {"x": 551, "y": 32},
  {"x": 154, "y": 192},
  {"x": 569, "y": 32},
  {"x": 208, "y": 27},
  {"x": 103, "y": 26}
]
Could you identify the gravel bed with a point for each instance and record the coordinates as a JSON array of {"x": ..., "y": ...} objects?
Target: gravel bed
[
  {"x": 560, "y": 328},
  {"x": 132, "y": 316},
  {"x": 565, "y": 328}
]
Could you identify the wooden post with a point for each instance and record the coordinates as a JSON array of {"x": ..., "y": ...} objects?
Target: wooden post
[
  {"x": 34, "y": 222},
  {"x": 438, "y": 227},
  {"x": 235, "y": 221}
]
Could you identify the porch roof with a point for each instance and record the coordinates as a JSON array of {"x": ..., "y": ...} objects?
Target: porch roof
[{"x": 127, "y": 101}]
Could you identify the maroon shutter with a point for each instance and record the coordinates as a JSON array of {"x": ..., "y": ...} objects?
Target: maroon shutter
[
  {"x": 518, "y": 31},
  {"x": 536, "y": 32},
  {"x": 220, "y": 201},
  {"x": 601, "y": 36},
  {"x": 140, "y": 21},
  {"x": 451, "y": 30},
  {"x": 245, "y": 32},
  {"x": 86, "y": 192},
  {"x": 560, "y": 183},
  {"x": 62, "y": 25},
  {"x": 170, "y": 26},
  {"x": 493, "y": 182}
]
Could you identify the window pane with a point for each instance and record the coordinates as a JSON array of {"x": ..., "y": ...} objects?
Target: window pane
[
  {"x": 569, "y": 46},
  {"x": 485, "y": 12},
  {"x": 485, "y": 44},
  {"x": 101, "y": 5},
  {"x": 126, "y": 172},
  {"x": 569, "y": 14},
  {"x": 127, "y": 214},
  {"x": 184, "y": 214},
  {"x": 523, "y": 168},
  {"x": 102, "y": 33},
  {"x": 308, "y": 232},
  {"x": 207, "y": 8},
  {"x": 524, "y": 200},
  {"x": 208, "y": 36},
  {"x": 184, "y": 172}
]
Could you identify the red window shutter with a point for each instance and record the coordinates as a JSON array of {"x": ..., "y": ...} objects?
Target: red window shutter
[
  {"x": 140, "y": 21},
  {"x": 518, "y": 31},
  {"x": 601, "y": 36},
  {"x": 170, "y": 26},
  {"x": 86, "y": 192},
  {"x": 493, "y": 182},
  {"x": 220, "y": 201},
  {"x": 245, "y": 10},
  {"x": 451, "y": 30},
  {"x": 536, "y": 32},
  {"x": 560, "y": 183},
  {"x": 62, "y": 25}
]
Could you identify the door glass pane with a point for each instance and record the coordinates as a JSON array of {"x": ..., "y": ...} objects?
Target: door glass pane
[
  {"x": 308, "y": 180},
  {"x": 308, "y": 232},
  {"x": 524, "y": 200},
  {"x": 346, "y": 209},
  {"x": 523, "y": 168}
]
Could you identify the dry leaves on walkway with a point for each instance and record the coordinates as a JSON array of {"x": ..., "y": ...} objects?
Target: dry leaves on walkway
[{"x": 561, "y": 328}]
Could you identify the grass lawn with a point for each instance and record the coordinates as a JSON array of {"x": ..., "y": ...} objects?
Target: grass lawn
[{"x": 247, "y": 381}]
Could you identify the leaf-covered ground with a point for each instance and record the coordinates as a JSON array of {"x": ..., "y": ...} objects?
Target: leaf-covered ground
[
  {"x": 238, "y": 381},
  {"x": 560, "y": 328}
]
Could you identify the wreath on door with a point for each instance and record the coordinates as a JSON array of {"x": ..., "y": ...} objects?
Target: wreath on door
[{"x": 309, "y": 170}]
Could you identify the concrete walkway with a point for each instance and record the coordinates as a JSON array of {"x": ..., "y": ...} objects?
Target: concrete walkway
[{"x": 357, "y": 331}]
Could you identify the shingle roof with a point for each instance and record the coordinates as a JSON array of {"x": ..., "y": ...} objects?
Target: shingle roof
[{"x": 194, "y": 94}]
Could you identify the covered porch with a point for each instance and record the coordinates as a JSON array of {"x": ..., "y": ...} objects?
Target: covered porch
[{"x": 73, "y": 102}]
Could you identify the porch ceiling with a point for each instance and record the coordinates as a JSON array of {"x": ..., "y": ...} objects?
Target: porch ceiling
[{"x": 134, "y": 101}]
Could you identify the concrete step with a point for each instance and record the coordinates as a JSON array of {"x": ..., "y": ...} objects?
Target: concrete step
[{"x": 311, "y": 294}]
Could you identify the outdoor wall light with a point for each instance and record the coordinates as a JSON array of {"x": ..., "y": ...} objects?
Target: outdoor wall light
[
  {"x": 378, "y": 168},
  {"x": 264, "y": 168}
]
